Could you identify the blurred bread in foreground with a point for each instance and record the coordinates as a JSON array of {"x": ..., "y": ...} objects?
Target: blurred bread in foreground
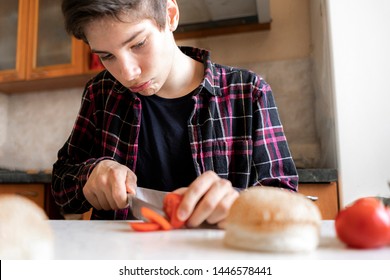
[
  {"x": 273, "y": 220},
  {"x": 24, "y": 231}
]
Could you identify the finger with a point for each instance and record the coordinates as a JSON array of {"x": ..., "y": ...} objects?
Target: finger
[
  {"x": 131, "y": 182},
  {"x": 102, "y": 200},
  {"x": 208, "y": 204},
  {"x": 180, "y": 191},
  {"x": 112, "y": 201},
  {"x": 194, "y": 193},
  {"x": 222, "y": 224},
  {"x": 92, "y": 199},
  {"x": 119, "y": 189},
  {"x": 222, "y": 210}
]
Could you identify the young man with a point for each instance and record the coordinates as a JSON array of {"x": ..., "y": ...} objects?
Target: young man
[{"x": 164, "y": 117}]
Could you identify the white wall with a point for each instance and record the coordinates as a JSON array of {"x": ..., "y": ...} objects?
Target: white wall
[
  {"x": 322, "y": 83},
  {"x": 360, "y": 46},
  {"x": 33, "y": 126}
]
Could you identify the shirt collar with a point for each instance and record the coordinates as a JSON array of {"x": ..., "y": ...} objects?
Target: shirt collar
[{"x": 211, "y": 76}]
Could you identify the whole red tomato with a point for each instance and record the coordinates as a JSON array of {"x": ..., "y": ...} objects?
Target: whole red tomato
[{"x": 364, "y": 224}]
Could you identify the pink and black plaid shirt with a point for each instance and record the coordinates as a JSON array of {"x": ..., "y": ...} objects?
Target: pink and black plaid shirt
[{"x": 234, "y": 130}]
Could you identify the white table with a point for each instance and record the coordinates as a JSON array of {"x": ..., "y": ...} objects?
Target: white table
[{"x": 114, "y": 240}]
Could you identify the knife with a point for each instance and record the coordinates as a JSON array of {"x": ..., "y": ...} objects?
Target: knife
[
  {"x": 149, "y": 198},
  {"x": 154, "y": 200}
]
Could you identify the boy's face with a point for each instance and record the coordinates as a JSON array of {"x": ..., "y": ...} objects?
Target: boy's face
[{"x": 138, "y": 54}]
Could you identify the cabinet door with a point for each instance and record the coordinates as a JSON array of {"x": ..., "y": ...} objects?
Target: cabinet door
[
  {"x": 13, "y": 38},
  {"x": 52, "y": 52},
  {"x": 35, "y": 192},
  {"x": 327, "y": 198}
]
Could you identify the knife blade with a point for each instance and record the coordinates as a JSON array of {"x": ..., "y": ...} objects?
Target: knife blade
[
  {"x": 149, "y": 198},
  {"x": 154, "y": 200}
]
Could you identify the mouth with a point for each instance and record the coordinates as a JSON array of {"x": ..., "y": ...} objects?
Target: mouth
[{"x": 140, "y": 87}]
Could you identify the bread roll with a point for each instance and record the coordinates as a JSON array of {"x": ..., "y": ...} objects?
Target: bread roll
[
  {"x": 274, "y": 220},
  {"x": 24, "y": 231}
]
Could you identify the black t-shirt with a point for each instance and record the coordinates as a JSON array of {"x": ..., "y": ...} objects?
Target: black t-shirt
[{"x": 164, "y": 158}]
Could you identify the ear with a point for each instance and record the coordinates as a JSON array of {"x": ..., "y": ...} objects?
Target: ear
[{"x": 172, "y": 15}]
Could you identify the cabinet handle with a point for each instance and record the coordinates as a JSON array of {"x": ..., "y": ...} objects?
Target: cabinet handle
[
  {"x": 28, "y": 193},
  {"x": 312, "y": 198}
]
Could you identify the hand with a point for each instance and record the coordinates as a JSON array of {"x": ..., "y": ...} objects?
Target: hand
[
  {"x": 108, "y": 185},
  {"x": 207, "y": 198}
]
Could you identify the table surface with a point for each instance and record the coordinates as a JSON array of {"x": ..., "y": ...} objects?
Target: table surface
[{"x": 115, "y": 240}]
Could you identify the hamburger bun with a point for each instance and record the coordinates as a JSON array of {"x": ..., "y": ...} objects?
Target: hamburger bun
[
  {"x": 25, "y": 233},
  {"x": 274, "y": 220}
]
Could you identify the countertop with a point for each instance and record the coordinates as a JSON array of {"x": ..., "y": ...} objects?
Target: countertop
[
  {"x": 115, "y": 240},
  {"x": 25, "y": 176},
  {"x": 309, "y": 175}
]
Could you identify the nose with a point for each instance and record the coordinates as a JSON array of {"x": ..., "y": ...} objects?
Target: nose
[{"x": 129, "y": 69}]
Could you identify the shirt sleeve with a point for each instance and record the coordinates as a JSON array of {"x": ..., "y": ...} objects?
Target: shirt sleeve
[
  {"x": 75, "y": 161},
  {"x": 272, "y": 163}
]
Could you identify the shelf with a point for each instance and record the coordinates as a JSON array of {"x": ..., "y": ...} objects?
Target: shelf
[{"x": 222, "y": 30}]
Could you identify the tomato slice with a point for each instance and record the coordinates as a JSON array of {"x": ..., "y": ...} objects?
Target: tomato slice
[
  {"x": 171, "y": 204},
  {"x": 136, "y": 226},
  {"x": 156, "y": 221},
  {"x": 154, "y": 217}
]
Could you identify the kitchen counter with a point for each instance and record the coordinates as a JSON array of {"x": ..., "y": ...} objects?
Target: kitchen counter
[
  {"x": 318, "y": 183},
  {"x": 25, "y": 177},
  {"x": 114, "y": 240},
  {"x": 316, "y": 175}
]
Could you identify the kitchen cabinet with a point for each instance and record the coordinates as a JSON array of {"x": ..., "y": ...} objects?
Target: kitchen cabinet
[
  {"x": 13, "y": 38},
  {"x": 37, "y": 192},
  {"x": 51, "y": 51},
  {"x": 220, "y": 17},
  {"x": 34, "y": 192},
  {"x": 327, "y": 197},
  {"x": 38, "y": 54},
  {"x": 36, "y": 50}
]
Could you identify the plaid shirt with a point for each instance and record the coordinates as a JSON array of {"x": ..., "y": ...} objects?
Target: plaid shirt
[{"x": 234, "y": 130}]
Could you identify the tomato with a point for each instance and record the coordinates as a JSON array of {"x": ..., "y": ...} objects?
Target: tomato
[
  {"x": 171, "y": 204},
  {"x": 158, "y": 222},
  {"x": 364, "y": 224},
  {"x": 142, "y": 226},
  {"x": 155, "y": 217}
]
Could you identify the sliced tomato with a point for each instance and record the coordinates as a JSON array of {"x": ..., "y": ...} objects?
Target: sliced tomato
[
  {"x": 141, "y": 226},
  {"x": 171, "y": 204},
  {"x": 364, "y": 224},
  {"x": 154, "y": 217}
]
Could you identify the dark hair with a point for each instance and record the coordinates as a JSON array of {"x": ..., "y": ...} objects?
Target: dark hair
[{"x": 78, "y": 13}]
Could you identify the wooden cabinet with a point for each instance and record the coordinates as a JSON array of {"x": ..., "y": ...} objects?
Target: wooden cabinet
[
  {"x": 214, "y": 18},
  {"x": 35, "y": 192},
  {"x": 35, "y": 47},
  {"x": 13, "y": 38},
  {"x": 37, "y": 54},
  {"x": 39, "y": 193},
  {"x": 51, "y": 51},
  {"x": 327, "y": 197}
]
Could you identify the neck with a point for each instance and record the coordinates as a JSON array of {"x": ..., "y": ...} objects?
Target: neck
[{"x": 185, "y": 76}]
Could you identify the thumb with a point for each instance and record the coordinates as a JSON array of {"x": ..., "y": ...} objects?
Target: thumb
[
  {"x": 180, "y": 190},
  {"x": 131, "y": 182}
]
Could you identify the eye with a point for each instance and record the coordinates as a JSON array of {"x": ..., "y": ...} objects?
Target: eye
[
  {"x": 139, "y": 45},
  {"x": 106, "y": 57}
]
